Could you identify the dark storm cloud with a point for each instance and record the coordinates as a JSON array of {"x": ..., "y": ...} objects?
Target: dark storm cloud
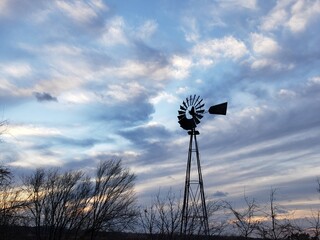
[
  {"x": 220, "y": 194},
  {"x": 85, "y": 143},
  {"x": 44, "y": 97},
  {"x": 88, "y": 163},
  {"x": 49, "y": 142},
  {"x": 154, "y": 140},
  {"x": 147, "y": 53},
  {"x": 146, "y": 134},
  {"x": 122, "y": 114}
]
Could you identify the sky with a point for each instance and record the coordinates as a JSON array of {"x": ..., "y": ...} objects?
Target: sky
[{"x": 88, "y": 80}]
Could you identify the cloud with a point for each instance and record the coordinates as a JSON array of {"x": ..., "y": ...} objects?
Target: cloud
[
  {"x": 3, "y": 7},
  {"x": 269, "y": 63},
  {"x": 263, "y": 45},
  {"x": 16, "y": 70},
  {"x": 180, "y": 66},
  {"x": 14, "y": 10},
  {"x": 119, "y": 92},
  {"x": 293, "y": 15},
  {"x": 191, "y": 29},
  {"x": 114, "y": 32},
  {"x": 148, "y": 28},
  {"x": 45, "y": 97},
  {"x": 146, "y": 134},
  {"x": 235, "y": 4},
  {"x": 217, "y": 49},
  {"x": 81, "y": 12},
  {"x": 31, "y": 130},
  {"x": 220, "y": 194},
  {"x": 302, "y": 13}
]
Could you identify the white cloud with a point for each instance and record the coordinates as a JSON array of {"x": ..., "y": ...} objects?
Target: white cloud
[
  {"x": 235, "y": 4},
  {"x": 16, "y": 69},
  {"x": 181, "y": 90},
  {"x": 294, "y": 15},
  {"x": 4, "y": 7},
  {"x": 124, "y": 92},
  {"x": 62, "y": 49},
  {"x": 215, "y": 49},
  {"x": 163, "y": 96},
  {"x": 114, "y": 32},
  {"x": 81, "y": 11},
  {"x": 275, "y": 19},
  {"x": 314, "y": 81},
  {"x": 180, "y": 66},
  {"x": 77, "y": 97},
  {"x": 33, "y": 160},
  {"x": 191, "y": 29},
  {"x": 301, "y": 13},
  {"x": 263, "y": 45},
  {"x": 286, "y": 93},
  {"x": 269, "y": 63},
  {"x": 32, "y": 130},
  {"x": 147, "y": 29}
]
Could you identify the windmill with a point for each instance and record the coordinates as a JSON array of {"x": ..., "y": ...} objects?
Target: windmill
[{"x": 194, "y": 217}]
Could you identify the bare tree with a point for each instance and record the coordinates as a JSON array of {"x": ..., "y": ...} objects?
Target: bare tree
[
  {"x": 56, "y": 202},
  {"x": 276, "y": 225},
  {"x": 245, "y": 219},
  {"x": 11, "y": 204},
  {"x": 169, "y": 212},
  {"x": 112, "y": 205},
  {"x": 216, "y": 217},
  {"x": 161, "y": 220},
  {"x": 314, "y": 220},
  {"x": 148, "y": 220},
  {"x": 314, "y": 224},
  {"x": 69, "y": 202},
  {"x": 5, "y": 175}
]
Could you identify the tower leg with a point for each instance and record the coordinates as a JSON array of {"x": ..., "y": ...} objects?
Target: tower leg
[{"x": 194, "y": 217}]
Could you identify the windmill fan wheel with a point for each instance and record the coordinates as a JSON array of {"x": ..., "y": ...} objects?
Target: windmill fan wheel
[{"x": 190, "y": 113}]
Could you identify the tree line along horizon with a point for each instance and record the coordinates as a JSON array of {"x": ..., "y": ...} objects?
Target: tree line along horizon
[
  {"x": 54, "y": 204},
  {"x": 70, "y": 204}
]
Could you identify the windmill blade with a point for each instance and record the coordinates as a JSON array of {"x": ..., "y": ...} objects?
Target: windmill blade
[
  {"x": 182, "y": 108},
  {"x": 200, "y": 111},
  {"x": 198, "y": 115},
  {"x": 184, "y": 104},
  {"x": 181, "y": 112},
  {"x": 220, "y": 109},
  {"x": 195, "y": 102},
  {"x": 180, "y": 117},
  {"x": 198, "y": 103},
  {"x": 193, "y": 99},
  {"x": 197, "y": 121},
  {"x": 200, "y": 106},
  {"x": 187, "y": 99}
]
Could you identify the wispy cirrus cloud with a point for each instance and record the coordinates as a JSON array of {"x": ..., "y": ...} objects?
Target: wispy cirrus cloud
[{"x": 82, "y": 12}]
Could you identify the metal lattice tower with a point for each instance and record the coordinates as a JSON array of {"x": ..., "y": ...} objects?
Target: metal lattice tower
[{"x": 194, "y": 211}]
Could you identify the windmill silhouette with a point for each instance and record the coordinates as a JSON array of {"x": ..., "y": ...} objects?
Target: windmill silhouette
[{"x": 194, "y": 216}]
